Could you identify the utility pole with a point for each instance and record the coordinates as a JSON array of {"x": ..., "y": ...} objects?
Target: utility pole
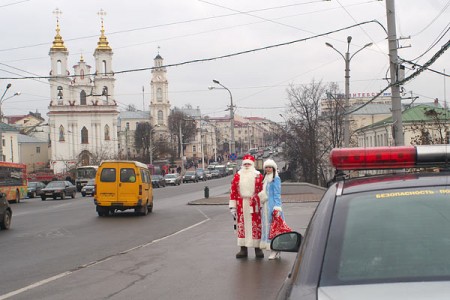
[
  {"x": 397, "y": 123},
  {"x": 181, "y": 150}
]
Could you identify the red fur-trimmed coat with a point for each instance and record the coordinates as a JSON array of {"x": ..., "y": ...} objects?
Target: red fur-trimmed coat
[{"x": 248, "y": 212}]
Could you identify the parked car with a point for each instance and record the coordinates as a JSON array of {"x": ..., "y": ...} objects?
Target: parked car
[
  {"x": 158, "y": 181},
  {"x": 190, "y": 176},
  {"x": 89, "y": 188},
  {"x": 5, "y": 212},
  {"x": 35, "y": 188},
  {"x": 201, "y": 174},
  {"x": 172, "y": 179},
  {"x": 378, "y": 236},
  {"x": 208, "y": 174},
  {"x": 55, "y": 189}
]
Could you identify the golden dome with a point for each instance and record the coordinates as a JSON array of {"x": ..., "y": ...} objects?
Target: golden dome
[
  {"x": 103, "y": 41},
  {"x": 58, "y": 43}
]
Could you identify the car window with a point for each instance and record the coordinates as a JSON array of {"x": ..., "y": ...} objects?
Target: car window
[
  {"x": 389, "y": 236},
  {"x": 108, "y": 175},
  {"x": 32, "y": 184},
  {"x": 53, "y": 184},
  {"x": 127, "y": 175}
]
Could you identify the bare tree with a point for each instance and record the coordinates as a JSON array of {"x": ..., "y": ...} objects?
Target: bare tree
[
  {"x": 177, "y": 120},
  {"x": 432, "y": 129},
  {"x": 142, "y": 137},
  {"x": 303, "y": 147}
]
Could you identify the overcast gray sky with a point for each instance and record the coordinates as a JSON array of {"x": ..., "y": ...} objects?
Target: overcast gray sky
[{"x": 187, "y": 30}]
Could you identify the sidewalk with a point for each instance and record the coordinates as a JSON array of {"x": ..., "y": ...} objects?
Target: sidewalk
[{"x": 298, "y": 192}]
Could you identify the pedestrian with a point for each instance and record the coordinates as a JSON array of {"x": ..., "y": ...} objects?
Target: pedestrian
[
  {"x": 245, "y": 207},
  {"x": 271, "y": 205}
]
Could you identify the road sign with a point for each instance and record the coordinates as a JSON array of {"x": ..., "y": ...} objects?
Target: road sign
[{"x": 233, "y": 156}]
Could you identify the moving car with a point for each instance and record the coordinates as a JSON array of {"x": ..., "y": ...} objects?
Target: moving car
[
  {"x": 61, "y": 189},
  {"x": 172, "y": 179},
  {"x": 208, "y": 174},
  {"x": 89, "y": 188},
  {"x": 34, "y": 188},
  {"x": 201, "y": 174},
  {"x": 158, "y": 181},
  {"x": 215, "y": 173},
  {"x": 190, "y": 176},
  {"x": 376, "y": 236},
  {"x": 5, "y": 212}
]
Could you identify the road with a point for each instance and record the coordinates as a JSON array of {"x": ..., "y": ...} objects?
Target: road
[{"x": 61, "y": 249}]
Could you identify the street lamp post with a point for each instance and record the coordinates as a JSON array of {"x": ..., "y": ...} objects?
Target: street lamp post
[
  {"x": 3, "y": 99},
  {"x": 232, "y": 148},
  {"x": 347, "y": 58}
]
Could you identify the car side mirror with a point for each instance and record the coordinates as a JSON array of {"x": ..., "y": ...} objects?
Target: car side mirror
[{"x": 287, "y": 242}]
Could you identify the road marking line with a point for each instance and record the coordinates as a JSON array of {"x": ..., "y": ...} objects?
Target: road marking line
[{"x": 85, "y": 266}]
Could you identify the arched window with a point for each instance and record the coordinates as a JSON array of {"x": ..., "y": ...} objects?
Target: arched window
[
  {"x": 104, "y": 66},
  {"x": 160, "y": 117},
  {"x": 61, "y": 134},
  {"x": 159, "y": 95},
  {"x": 84, "y": 136},
  {"x": 83, "y": 98},
  {"x": 81, "y": 74},
  {"x": 107, "y": 137},
  {"x": 59, "y": 67}
]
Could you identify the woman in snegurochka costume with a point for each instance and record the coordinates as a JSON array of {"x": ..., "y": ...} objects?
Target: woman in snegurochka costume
[{"x": 270, "y": 198}]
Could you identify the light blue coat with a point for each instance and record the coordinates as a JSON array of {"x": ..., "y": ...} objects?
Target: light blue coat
[{"x": 273, "y": 191}]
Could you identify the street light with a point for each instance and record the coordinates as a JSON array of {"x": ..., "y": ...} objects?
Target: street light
[
  {"x": 232, "y": 150},
  {"x": 347, "y": 58},
  {"x": 3, "y": 99}
]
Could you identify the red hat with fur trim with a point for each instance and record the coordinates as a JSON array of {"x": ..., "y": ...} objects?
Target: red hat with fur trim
[{"x": 248, "y": 159}]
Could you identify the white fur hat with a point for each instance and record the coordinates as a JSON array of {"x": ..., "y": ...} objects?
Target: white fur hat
[{"x": 270, "y": 163}]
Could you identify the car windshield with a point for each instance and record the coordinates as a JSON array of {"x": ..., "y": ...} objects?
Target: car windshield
[
  {"x": 53, "y": 184},
  {"x": 171, "y": 176},
  {"x": 32, "y": 184},
  {"x": 157, "y": 177},
  {"x": 389, "y": 236},
  {"x": 91, "y": 182},
  {"x": 190, "y": 173}
]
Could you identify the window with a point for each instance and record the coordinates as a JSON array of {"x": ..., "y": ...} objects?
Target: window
[
  {"x": 104, "y": 66},
  {"x": 127, "y": 126},
  {"x": 84, "y": 136},
  {"x": 38, "y": 149},
  {"x": 194, "y": 148},
  {"x": 58, "y": 67},
  {"x": 61, "y": 134},
  {"x": 159, "y": 94},
  {"x": 107, "y": 137},
  {"x": 81, "y": 74},
  {"x": 127, "y": 175},
  {"x": 160, "y": 117},
  {"x": 83, "y": 98},
  {"x": 108, "y": 175}
]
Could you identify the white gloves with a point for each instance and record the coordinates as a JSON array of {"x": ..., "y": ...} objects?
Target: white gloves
[{"x": 233, "y": 212}]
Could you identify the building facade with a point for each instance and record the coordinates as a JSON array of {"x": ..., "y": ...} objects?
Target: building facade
[{"x": 83, "y": 111}]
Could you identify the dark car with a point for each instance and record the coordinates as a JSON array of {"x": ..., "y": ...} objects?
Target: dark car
[
  {"x": 172, "y": 179},
  {"x": 201, "y": 174},
  {"x": 89, "y": 188},
  {"x": 376, "y": 236},
  {"x": 34, "y": 188},
  {"x": 190, "y": 176},
  {"x": 5, "y": 212},
  {"x": 61, "y": 189},
  {"x": 158, "y": 181}
]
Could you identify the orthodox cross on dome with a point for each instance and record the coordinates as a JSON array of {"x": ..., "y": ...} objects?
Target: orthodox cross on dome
[
  {"x": 158, "y": 49},
  {"x": 58, "y": 43},
  {"x": 103, "y": 41}
]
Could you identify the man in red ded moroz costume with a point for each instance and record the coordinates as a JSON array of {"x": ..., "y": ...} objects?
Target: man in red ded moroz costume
[{"x": 245, "y": 206}]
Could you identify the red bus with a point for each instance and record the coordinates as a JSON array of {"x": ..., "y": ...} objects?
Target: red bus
[{"x": 13, "y": 181}]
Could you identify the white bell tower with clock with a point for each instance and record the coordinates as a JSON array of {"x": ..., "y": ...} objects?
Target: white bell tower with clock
[{"x": 159, "y": 102}]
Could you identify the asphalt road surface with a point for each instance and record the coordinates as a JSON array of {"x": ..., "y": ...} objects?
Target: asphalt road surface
[{"x": 61, "y": 249}]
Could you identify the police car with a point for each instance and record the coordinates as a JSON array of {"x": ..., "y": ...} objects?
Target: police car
[{"x": 384, "y": 236}]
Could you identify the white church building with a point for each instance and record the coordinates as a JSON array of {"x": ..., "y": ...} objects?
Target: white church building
[{"x": 83, "y": 112}]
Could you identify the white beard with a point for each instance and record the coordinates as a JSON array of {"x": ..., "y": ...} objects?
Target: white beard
[{"x": 247, "y": 182}]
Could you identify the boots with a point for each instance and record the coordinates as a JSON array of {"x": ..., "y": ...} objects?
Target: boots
[
  {"x": 259, "y": 253},
  {"x": 242, "y": 253}
]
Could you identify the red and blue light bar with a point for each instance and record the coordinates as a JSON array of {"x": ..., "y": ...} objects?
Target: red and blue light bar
[{"x": 376, "y": 158}]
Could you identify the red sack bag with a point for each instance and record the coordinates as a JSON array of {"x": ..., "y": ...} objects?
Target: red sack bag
[{"x": 278, "y": 226}]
